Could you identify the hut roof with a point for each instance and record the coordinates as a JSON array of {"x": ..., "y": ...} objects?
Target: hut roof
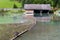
[{"x": 37, "y": 6}]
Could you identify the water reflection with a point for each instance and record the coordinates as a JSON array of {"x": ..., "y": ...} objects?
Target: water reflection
[
  {"x": 43, "y": 31},
  {"x": 14, "y": 18}
]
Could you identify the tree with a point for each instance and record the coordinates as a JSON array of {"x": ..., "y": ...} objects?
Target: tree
[
  {"x": 15, "y": 6},
  {"x": 54, "y": 3}
]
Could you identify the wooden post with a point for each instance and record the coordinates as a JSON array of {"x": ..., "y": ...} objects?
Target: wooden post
[
  {"x": 41, "y": 13},
  {"x": 48, "y": 13}
]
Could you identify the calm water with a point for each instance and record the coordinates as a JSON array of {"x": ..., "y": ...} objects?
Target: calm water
[
  {"x": 12, "y": 19},
  {"x": 43, "y": 31}
]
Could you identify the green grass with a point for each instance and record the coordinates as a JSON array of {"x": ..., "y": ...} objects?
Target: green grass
[{"x": 8, "y": 4}]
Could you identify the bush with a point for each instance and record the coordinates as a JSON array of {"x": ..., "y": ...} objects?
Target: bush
[{"x": 55, "y": 18}]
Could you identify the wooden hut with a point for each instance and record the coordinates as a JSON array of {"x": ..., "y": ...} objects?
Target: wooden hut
[{"x": 37, "y": 9}]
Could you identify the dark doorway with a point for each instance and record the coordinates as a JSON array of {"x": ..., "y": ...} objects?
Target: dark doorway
[
  {"x": 41, "y": 13},
  {"x": 36, "y": 13}
]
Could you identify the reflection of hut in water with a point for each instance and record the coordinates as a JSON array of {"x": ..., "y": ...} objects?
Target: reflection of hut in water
[{"x": 38, "y": 9}]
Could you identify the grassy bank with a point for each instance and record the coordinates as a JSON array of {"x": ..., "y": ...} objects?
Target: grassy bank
[{"x": 9, "y": 4}]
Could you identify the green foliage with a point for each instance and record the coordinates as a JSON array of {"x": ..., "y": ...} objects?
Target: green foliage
[
  {"x": 54, "y": 3},
  {"x": 3, "y": 12},
  {"x": 21, "y": 11}
]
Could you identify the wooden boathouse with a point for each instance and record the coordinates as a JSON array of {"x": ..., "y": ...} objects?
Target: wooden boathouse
[{"x": 38, "y": 10}]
